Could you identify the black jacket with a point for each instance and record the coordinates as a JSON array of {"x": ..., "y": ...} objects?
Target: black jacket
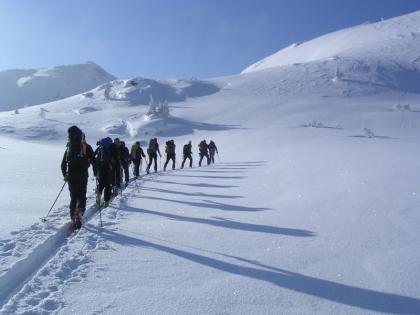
[{"x": 74, "y": 167}]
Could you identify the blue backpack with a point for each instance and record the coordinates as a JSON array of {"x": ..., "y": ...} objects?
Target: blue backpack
[{"x": 104, "y": 155}]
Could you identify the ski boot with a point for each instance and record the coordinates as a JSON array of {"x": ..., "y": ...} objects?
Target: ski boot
[{"x": 78, "y": 219}]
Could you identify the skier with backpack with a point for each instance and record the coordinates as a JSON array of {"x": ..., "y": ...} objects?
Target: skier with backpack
[
  {"x": 75, "y": 164},
  {"x": 136, "y": 156},
  {"x": 153, "y": 151},
  {"x": 170, "y": 154},
  {"x": 187, "y": 152},
  {"x": 125, "y": 161},
  {"x": 104, "y": 171},
  {"x": 203, "y": 152},
  {"x": 212, "y": 150}
]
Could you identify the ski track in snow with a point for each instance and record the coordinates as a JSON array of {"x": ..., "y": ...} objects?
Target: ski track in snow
[{"x": 35, "y": 282}]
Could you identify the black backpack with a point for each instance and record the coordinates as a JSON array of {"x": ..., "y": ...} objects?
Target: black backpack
[
  {"x": 187, "y": 149},
  {"x": 76, "y": 148},
  {"x": 170, "y": 147},
  {"x": 152, "y": 147}
]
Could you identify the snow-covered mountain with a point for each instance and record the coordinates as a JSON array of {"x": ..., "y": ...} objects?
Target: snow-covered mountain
[
  {"x": 21, "y": 88},
  {"x": 383, "y": 55},
  {"x": 395, "y": 39},
  {"x": 313, "y": 207}
]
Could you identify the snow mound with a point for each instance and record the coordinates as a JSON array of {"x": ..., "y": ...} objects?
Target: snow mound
[
  {"x": 21, "y": 88},
  {"x": 142, "y": 91}
]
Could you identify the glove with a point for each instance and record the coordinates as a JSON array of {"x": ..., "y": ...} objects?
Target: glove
[{"x": 66, "y": 178}]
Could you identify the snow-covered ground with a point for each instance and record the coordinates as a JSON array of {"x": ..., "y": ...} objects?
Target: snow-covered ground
[{"x": 314, "y": 206}]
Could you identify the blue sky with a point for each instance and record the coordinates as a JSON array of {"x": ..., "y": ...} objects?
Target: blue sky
[{"x": 172, "y": 38}]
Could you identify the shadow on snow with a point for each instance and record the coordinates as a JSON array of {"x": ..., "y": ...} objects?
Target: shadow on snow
[
  {"x": 208, "y": 204},
  {"x": 229, "y": 224},
  {"x": 329, "y": 290}
]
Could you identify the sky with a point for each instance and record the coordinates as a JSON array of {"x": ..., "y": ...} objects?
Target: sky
[{"x": 172, "y": 39}]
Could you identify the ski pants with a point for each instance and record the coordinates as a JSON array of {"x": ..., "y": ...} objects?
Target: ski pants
[
  {"x": 105, "y": 183},
  {"x": 170, "y": 156},
  {"x": 116, "y": 166},
  {"x": 125, "y": 166},
  {"x": 137, "y": 164},
  {"x": 152, "y": 157},
  {"x": 77, "y": 188},
  {"x": 212, "y": 156},
  {"x": 202, "y": 155},
  {"x": 187, "y": 156}
]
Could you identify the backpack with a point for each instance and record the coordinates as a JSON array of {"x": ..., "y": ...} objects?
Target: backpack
[
  {"x": 203, "y": 146},
  {"x": 104, "y": 153},
  {"x": 76, "y": 148},
  {"x": 212, "y": 146},
  {"x": 135, "y": 151},
  {"x": 170, "y": 147},
  {"x": 187, "y": 149},
  {"x": 152, "y": 147}
]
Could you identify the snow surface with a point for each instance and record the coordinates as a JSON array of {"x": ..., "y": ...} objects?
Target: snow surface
[
  {"x": 22, "y": 88},
  {"x": 313, "y": 208}
]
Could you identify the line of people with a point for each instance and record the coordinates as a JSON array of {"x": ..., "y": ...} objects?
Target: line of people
[{"x": 111, "y": 162}]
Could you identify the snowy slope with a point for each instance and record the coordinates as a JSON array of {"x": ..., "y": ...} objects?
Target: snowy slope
[
  {"x": 383, "y": 55},
  {"x": 21, "y": 88},
  {"x": 395, "y": 39},
  {"x": 313, "y": 208}
]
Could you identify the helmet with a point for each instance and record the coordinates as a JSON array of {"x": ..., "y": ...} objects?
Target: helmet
[{"x": 116, "y": 140}]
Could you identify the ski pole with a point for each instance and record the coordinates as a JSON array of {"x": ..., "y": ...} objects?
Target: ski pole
[
  {"x": 218, "y": 157},
  {"x": 100, "y": 216},
  {"x": 45, "y": 218}
]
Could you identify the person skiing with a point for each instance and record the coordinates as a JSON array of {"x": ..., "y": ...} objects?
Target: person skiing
[
  {"x": 203, "y": 148},
  {"x": 125, "y": 161},
  {"x": 212, "y": 150},
  {"x": 187, "y": 152},
  {"x": 136, "y": 156},
  {"x": 153, "y": 151},
  {"x": 104, "y": 171},
  {"x": 170, "y": 153},
  {"x": 74, "y": 167}
]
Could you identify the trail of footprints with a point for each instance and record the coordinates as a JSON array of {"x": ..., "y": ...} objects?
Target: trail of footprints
[{"x": 42, "y": 293}]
